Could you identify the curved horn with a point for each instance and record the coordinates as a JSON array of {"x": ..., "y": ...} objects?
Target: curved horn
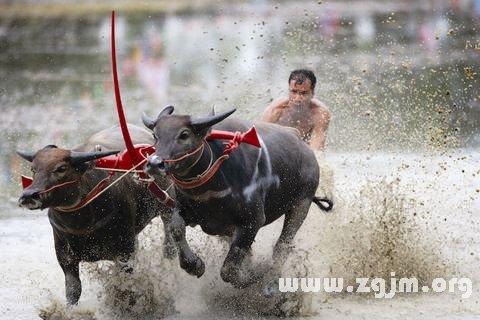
[
  {"x": 148, "y": 122},
  {"x": 206, "y": 122},
  {"x": 27, "y": 155},
  {"x": 81, "y": 157},
  {"x": 168, "y": 110}
]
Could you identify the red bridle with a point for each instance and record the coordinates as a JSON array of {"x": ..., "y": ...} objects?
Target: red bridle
[
  {"x": 235, "y": 139},
  {"x": 188, "y": 154},
  {"x": 27, "y": 182}
]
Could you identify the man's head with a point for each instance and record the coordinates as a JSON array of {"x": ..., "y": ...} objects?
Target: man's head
[{"x": 301, "y": 85}]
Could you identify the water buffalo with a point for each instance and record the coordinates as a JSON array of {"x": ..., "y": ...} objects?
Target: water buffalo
[
  {"x": 104, "y": 229},
  {"x": 253, "y": 188}
]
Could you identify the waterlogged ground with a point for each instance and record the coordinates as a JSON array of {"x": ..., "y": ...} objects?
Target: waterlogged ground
[{"x": 415, "y": 215}]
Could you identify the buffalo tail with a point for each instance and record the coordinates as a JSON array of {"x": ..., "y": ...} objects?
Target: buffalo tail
[{"x": 324, "y": 204}]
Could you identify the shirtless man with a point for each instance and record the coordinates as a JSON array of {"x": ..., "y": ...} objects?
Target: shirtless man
[{"x": 300, "y": 110}]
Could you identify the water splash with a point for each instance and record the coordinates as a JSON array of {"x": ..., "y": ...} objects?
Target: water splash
[{"x": 381, "y": 235}]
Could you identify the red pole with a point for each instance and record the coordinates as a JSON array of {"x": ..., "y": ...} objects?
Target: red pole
[{"x": 118, "y": 100}]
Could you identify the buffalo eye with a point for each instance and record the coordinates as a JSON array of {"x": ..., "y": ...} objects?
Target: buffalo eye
[
  {"x": 61, "y": 169},
  {"x": 33, "y": 170},
  {"x": 184, "y": 135}
]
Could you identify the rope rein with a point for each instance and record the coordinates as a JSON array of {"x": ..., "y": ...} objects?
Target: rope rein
[{"x": 89, "y": 198}]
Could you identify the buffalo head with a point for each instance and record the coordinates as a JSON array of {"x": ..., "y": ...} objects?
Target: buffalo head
[
  {"x": 56, "y": 176},
  {"x": 176, "y": 136}
]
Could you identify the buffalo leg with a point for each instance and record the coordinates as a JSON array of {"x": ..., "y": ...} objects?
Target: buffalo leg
[
  {"x": 242, "y": 241},
  {"x": 73, "y": 286},
  {"x": 169, "y": 249},
  {"x": 70, "y": 267},
  {"x": 293, "y": 221},
  {"x": 127, "y": 242},
  {"x": 189, "y": 261}
]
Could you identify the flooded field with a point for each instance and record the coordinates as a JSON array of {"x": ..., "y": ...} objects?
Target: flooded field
[{"x": 401, "y": 80}]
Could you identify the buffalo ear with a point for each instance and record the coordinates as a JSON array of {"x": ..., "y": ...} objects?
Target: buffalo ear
[
  {"x": 148, "y": 122},
  {"x": 27, "y": 155},
  {"x": 202, "y": 124}
]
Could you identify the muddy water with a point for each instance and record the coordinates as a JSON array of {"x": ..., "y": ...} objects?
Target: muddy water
[{"x": 415, "y": 215}]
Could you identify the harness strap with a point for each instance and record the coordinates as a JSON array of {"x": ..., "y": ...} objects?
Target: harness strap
[
  {"x": 92, "y": 195},
  {"x": 98, "y": 190},
  {"x": 202, "y": 178},
  {"x": 161, "y": 194},
  {"x": 117, "y": 170},
  {"x": 60, "y": 185},
  {"x": 200, "y": 148}
]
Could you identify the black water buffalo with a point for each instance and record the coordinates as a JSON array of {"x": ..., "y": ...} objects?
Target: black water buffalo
[
  {"x": 252, "y": 188},
  {"x": 105, "y": 229}
]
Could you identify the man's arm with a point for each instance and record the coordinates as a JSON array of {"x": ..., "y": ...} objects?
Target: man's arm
[
  {"x": 274, "y": 110},
  {"x": 322, "y": 117}
]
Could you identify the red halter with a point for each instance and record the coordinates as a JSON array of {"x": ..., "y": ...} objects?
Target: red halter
[{"x": 249, "y": 137}]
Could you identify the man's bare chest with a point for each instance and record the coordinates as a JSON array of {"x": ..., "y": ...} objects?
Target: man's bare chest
[{"x": 298, "y": 118}]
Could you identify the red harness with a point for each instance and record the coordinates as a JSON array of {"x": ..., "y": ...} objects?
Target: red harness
[
  {"x": 123, "y": 163},
  {"x": 115, "y": 163},
  {"x": 236, "y": 138},
  {"x": 27, "y": 181},
  {"x": 92, "y": 195}
]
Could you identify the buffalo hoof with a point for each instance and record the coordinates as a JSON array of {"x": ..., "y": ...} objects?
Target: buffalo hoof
[
  {"x": 271, "y": 289},
  {"x": 236, "y": 277},
  {"x": 193, "y": 266},
  {"x": 229, "y": 273}
]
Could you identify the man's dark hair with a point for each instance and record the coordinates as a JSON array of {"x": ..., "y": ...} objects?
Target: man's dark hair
[{"x": 300, "y": 75}]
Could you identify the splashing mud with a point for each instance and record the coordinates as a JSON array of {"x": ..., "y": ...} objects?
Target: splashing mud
[
  {"x": 56, "y": 310},
  {"x": 257, "y": 300},
  {"x": 408, "y": 214},
  {"x": 383, "y": 236}
]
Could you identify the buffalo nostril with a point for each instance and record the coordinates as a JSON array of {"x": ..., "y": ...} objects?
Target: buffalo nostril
[
  {"x": 34, "y": 195},
  {"x": 30, "y": 199},
  {"x": 161, "y": 165},
  {"x": 30, "y": 195},
  {"x": 156, "y": 162}
]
